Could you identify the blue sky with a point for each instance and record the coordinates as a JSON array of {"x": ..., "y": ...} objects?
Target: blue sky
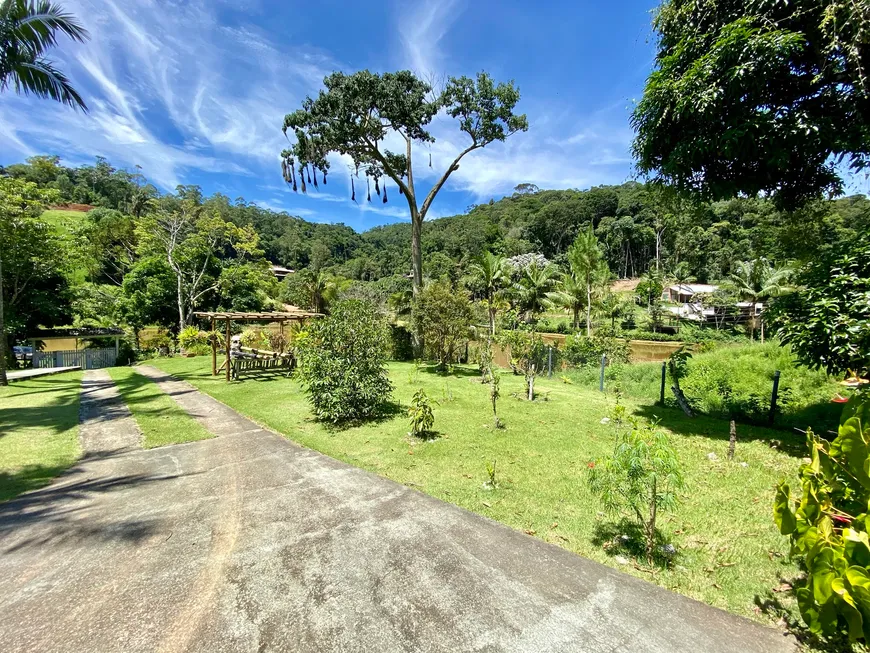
[{"x": 195, "y": 92}]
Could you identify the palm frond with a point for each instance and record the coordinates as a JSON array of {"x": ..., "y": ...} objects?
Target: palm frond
[
  {"x": 36, "y": 25},
  {"x": 42, "y": 79}
]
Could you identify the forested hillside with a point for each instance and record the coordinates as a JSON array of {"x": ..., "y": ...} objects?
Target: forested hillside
[{"x": 109, "y": 267}]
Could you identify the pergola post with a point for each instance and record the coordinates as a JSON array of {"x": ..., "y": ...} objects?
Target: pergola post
[
  {"x": 117, "y": 347},
  {"x": 227, "y": 343},
  {"x": 213, "y": 349},
  {"x": 281, "y": 328}
]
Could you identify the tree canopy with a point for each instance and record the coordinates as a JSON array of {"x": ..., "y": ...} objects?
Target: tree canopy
[
  {"x": 758, "y": 96},
  {"x": 357, "y": 113}
]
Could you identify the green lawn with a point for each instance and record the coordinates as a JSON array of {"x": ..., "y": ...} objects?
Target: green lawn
[
  {"x": 63, "y": 221},
  {"x": 39, "y": 421},
  {"x": 161, "y": 420},
  {"x": 729, "y": 549}
]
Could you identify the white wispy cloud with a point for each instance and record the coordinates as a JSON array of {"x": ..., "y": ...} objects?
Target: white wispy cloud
[{"x": 170, "y": 89}]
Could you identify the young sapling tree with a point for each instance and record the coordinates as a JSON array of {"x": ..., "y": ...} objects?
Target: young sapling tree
[{"x": 642, "y": 475}]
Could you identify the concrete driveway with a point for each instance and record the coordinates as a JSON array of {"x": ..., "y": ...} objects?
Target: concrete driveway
[{"x": 247, "y": 542}]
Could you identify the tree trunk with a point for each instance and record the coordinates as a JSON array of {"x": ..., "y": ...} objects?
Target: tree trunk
[
  {"x": 416, "y": 253},
  {"x": 181, "y": 316},
  {"x": 576, "y": 318},
  {"x": 417, "y": 343},
  {"x": 531, "y": 383},
  {"x": 491, "y": 315},
  {"x": 3, "y": 347},
  {"x": 651, "y": 526},
  {"x": 588, "y": 308}
]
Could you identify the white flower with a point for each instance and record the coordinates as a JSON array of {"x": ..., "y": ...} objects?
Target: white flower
[{"x": 605, "y": 420}]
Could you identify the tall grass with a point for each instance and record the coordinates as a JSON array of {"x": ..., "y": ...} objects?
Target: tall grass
[{"x": 734, "y": 380}]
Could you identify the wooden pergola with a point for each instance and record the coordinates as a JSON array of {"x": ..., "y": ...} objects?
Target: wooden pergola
[{"x": 281, "y": 317}]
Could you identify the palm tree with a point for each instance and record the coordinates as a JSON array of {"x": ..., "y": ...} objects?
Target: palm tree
[
  {"x": 322, "y": 287},
  {"x": 613, "y": 306},
  {"x": 586, "y": 260},
  {"x": 489, "y": 271},
  {"x": 759, "y": 280},
  {"x": 28, "y": 28},
  {"x": 532, "y": 288},
  {"x": 571, "y": 296}
]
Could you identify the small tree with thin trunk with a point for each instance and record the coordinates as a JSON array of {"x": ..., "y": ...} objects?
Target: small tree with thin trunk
[
  {"x": 489, "y": 270},
  {"x": 357, "y": 114},
  {"x": 643, "y": 474}
]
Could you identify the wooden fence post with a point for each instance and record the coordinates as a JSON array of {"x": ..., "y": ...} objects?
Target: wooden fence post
[
  {"x": 664, "y": 379},
  {"x": 773, "y": 397},
  {"x": 601, "y": 380},
  {"x": 213, "y": 349},
  {"x": 227, "y": 347}
]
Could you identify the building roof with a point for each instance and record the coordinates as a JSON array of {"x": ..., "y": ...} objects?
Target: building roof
[
  {"x": 76, "y": 332},
  {"x": 271, "y": 316},
  {"x": 693, "y": 288},
  {"x": 280, "y": 269}
]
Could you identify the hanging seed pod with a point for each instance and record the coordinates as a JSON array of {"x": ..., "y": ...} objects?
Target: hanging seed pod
[
  {"x": 302, "y": 179},
  {"x": 401, "y": 192},
  {"x": 315, "y": 175},
  {"x": 430, "y": 159},
  {"x": 309, "y": 174},
  {"x": 293, "y": 176},
  {"x": 377, "y": 188},
  {"x": 385, "y": 193},
  {"x": 352, "y": 191},
  {"x": 368, "y": 190},
  {"x": 324, "y": 177}
]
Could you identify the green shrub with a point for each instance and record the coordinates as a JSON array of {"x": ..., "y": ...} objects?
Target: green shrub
[
  {"x": 642, "y": 476},
  {"x": 830, "y": 526},
  {"x": 420, "y": 414},
  {"x": 401, "y": 346},
  {"x": 342, "y": 363},
  {"x": 737, "y": 381},
  {"x": 443, "y": 318},
  {"x": 582, "y": 351},
  {"x": 160, "y": 343}
]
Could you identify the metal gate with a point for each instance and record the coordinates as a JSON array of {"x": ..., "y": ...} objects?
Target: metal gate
[{"x": 87, "y": 359}]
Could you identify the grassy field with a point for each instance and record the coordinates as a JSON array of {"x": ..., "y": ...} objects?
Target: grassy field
[
  {"x": 38, "y": 431},
  {"x": 730, "y": 554},
  {"x": 161, "y": 420},
  {"x": 63, "y": 221}
]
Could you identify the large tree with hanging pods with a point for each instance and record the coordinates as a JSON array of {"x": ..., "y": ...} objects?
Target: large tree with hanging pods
[{"x": 356, "y": 114}]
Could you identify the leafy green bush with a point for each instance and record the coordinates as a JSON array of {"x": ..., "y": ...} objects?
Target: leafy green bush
[
  {"x": 161, "y": 344},
  {"x": 401, "y": 346},
  {"x": 342, "y": 363},
  {"x": 827, "y": 320},
  {"x": 643, "y": 475},
  {"x": 582, "y": 351},
  {"x": 196, "y": 342},
  {"x": 737, "y": 382},
  {"x": 420, "y": 414},
  {"x": 830, "y": 526},
  {"x": 443, "y": 318}
]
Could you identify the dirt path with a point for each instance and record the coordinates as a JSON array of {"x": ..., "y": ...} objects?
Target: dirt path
[{"x": 247, "y": 542}]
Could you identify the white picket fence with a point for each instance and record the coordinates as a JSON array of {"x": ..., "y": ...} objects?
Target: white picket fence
[{"x": 87, "y": 359}]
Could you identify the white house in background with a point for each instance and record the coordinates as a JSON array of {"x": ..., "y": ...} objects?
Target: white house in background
[
  {"x": 280, "y": 272},
  {"x": 684, "y": 292}
]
